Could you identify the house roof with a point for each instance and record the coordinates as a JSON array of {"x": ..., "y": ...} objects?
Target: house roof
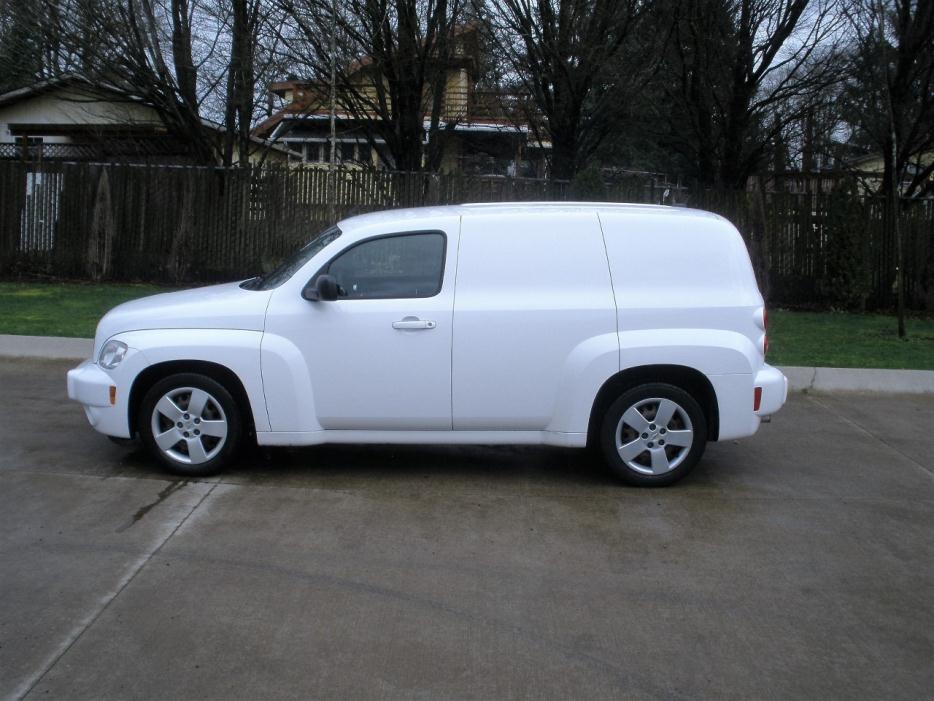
[
  {"x": 62, "y": 81},
  {"x": 280, "y": 87},
  {"x": 277, "y": 126},
  {"x": 300, "y": 108},
  {"x": 50, "y": 84}
]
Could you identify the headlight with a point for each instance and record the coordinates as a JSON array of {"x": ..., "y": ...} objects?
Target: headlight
[{"x": 112, "y": 354}]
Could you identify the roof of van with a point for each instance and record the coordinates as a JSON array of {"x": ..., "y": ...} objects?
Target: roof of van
[{"x": 466, "y": 210}]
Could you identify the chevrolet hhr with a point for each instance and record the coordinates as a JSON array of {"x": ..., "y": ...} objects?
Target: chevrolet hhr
[{"x": 636, "y": 330}]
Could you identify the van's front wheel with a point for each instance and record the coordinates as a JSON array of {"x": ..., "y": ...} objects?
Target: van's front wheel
[
  {"x": 653, "y": 434},
  {"x": 191, "y": 423}
]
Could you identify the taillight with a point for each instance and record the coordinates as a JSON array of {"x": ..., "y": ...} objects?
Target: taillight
[
  {"x": 762, "y": 321},
  {"x": 756, "y": 398}
]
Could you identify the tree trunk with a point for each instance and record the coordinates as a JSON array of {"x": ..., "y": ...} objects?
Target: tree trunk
[
  {"x": 185, "y": 71},
  {"x": 890, "y": 191},
  {"x": 238, "y": 112},
  {"x": 563, "y": 156},
  {"x": 733, "y": 171}
]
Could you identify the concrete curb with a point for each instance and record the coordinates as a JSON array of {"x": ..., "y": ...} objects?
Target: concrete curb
[
  {"x": 859, "y": 380},
  {"x": 46, "y": 347},
  {"x": 799, "y": 378}
]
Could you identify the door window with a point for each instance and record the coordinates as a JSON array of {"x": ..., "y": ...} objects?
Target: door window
[{"x": 403, "y": 266}]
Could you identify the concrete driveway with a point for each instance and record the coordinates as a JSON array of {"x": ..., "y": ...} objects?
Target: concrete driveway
[{"x": 799, "y": 563}]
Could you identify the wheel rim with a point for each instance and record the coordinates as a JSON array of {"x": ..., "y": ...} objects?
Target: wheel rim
[
  {"x": 654, "y": 436},
  {"x": 189, "y": 425}
]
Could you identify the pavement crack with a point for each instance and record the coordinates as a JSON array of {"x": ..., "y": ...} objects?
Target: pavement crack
[
  {"x": 859, "y": 427},
  {"x": 27, "y": 686},
  {"x": 145, "y": 509}
]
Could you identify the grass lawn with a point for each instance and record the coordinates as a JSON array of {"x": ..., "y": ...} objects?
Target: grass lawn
[
  {"x": 61, "y": 309},
  {"x": 827, "y": 339},
  {"x": 836, "y": 339}
]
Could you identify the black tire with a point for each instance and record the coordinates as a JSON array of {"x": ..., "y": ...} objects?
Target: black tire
[
  {"x": 220, "y": 407},
  {"x": 688, "y": 417}
]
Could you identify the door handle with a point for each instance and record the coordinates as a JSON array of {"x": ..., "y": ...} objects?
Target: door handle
[{"x": 411, "y": 323}]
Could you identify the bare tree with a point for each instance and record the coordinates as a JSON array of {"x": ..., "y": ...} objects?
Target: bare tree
[
  {"x": 196, "y": 62},
  {"x": 889, "y": 100},
  {"x": 31, "y": 42},
  {"x": 144, "y": 50},
  {"x": 737, "y": 72},
  {"x": 390, "y": 72},
  {"x": 247, "y": 18},
  {"x": 892, "y": 103},
  {"x": 560, "y": 53}
]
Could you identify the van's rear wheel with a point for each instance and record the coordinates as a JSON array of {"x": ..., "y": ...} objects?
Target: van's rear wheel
[
  {"x": 191, "y": 423},
  {"x": 653, "y": 434}
]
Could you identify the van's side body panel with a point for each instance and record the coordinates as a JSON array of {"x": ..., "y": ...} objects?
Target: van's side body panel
[{"x": 534, "y": 320}]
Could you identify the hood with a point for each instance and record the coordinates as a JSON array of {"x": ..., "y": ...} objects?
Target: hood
[{"x": 225, "y": 306}]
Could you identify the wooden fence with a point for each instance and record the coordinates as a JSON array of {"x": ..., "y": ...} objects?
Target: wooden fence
[
  {"x": 830, "y": 249},
  {"x": 188, "y": 224}
]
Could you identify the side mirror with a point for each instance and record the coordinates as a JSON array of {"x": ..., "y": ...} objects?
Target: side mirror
[{"x": 324, "y": 288}]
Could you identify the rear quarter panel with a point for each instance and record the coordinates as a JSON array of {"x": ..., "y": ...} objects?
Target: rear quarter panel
[{"x": 686, "y": 295}]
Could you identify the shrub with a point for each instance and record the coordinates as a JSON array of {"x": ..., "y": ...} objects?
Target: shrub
[
  {"x": 588, "y": 186},
  {"x": 844, "y": 282}
]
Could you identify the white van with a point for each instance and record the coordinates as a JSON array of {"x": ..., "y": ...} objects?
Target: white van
[{"x": 635, "y": 329}]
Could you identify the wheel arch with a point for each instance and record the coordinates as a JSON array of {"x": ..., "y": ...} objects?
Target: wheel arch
[
  {"x": 691, "y": 380},
  {"x": 220, "y": 373}
]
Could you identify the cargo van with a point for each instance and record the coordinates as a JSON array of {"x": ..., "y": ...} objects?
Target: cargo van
[{"x": 636, "y": 330}]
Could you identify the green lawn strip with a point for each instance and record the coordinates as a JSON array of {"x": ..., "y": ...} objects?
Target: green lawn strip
[
  {"x": 827, "y": 339},
  {"x": 836, "y": 339},
  {"x": 61, "y": 309}
]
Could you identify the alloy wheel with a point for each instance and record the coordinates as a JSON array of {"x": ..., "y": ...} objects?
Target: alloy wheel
[
  {"x": 189, "y": 425},
  {"x": 654, "y": 436}
]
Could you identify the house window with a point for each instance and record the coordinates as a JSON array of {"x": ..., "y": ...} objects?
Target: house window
[
  {"x": 30, "y": 146},
  {"x": 295, "y": 146},
  {"x": 346, "y": 152},
  {"x": 313, "y": 153},
  {"x": 365, "y": 152}
]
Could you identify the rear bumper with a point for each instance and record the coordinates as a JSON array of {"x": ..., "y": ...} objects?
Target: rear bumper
[
  {"x": 774, "y": 390},
  {"x": 89, "y": 385},
  {"x": 736, "y": 399}
]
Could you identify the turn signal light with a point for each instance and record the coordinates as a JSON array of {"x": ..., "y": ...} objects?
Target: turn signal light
[
  {"x": 756, "y": 398},
  {"x": 113, "y": 395}
]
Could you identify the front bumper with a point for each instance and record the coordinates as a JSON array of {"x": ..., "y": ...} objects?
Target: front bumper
[
  {"x": 90, "y": 386},
  {"x": 774, "y": 390}
]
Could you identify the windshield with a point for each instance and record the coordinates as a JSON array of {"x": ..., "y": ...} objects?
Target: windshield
[{"x": 291, "y": 265}]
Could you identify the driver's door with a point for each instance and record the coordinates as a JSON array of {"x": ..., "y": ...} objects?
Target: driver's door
[{"x": 379, "y": 357}]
